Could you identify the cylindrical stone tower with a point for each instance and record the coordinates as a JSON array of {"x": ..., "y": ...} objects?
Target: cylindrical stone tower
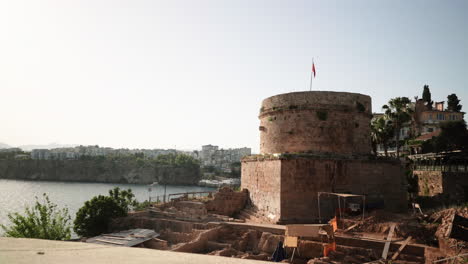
[{"x": 316, "y": 122}]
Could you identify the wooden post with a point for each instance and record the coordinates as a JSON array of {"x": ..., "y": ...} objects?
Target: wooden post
[
  {"x": 395, "y": 256},
  {"x": 339, "y": 209},
  {"x": 389, "y": 240},
  {"x": 363, "y": 206},
  {"x": 318, "y": 205}
]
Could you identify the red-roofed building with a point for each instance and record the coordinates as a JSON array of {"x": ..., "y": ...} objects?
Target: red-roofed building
[{"x": 428, "y": 136}]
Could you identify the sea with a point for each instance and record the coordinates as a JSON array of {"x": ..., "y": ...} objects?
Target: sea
[{"x": 15, "y": 195}]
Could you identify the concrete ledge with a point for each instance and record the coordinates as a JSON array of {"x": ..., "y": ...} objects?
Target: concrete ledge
[{"x": 30, "y": 251}]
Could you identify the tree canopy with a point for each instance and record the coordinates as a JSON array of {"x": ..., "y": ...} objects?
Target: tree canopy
[
  {"x": 426, "y": 96},
  {"x": 453, "y": 136},
  {"x": 453, "y": 103},
  {"x": 176, "y": 160},
  {"x": 382, "y": 132},
  {"x": 399, "y": 111},
  {"x": 93, "y": 218}
]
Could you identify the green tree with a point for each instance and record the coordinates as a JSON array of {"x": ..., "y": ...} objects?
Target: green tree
[
  {"x": 93, "y": 218},
  {"x": 124, "y": 198},
  {"x": 453, "y": 103},
  {"x": 381, "y": 133},
  {"x": 453, "y": 136},
  {"x": 427, "y": 97},
  {"x": 43, "y": 220},
  {"x": 177, "y": 160},
  {"x": 399, "y": 112}
]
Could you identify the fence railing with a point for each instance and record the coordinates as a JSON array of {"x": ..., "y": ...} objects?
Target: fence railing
[
  {"x": 447, "y": 168},
  {"x": 172, "y": 196}
]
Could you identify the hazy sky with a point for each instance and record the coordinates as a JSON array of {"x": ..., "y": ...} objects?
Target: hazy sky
[{"x": 159, "y": 74}]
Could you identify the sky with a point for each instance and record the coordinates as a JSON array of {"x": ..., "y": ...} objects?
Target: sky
[{"x": 181, "y": 74}]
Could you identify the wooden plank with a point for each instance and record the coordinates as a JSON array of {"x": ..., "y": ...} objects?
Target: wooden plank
[
  {"x": 351, "y": 227},
  {"x": 389, "y": 240},
  {"x": 118, "y": 238},
  {"x": 458, "y": 256},
  {"x": 395, "y": 256},
  {"x": 290, "y": 241},
  {"x": 303, "y": 230}
]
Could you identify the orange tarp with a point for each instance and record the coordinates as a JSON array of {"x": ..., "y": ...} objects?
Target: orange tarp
[{"x": 329, "y": 247}]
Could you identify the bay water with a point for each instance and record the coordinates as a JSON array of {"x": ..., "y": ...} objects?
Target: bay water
[{"x": 15, "y": 195}]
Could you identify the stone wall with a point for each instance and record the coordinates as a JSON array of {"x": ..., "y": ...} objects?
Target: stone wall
[
  {"x": 449, "y": 187},
  {"x": 324, "y": 122},
  {"x": 263, "y": 181},
  {"x": 301, "y": 177},
  {"x": 227, "y": 202}
]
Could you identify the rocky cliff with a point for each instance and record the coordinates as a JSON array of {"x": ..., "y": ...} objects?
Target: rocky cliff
[{"x": 109, "y": 171}]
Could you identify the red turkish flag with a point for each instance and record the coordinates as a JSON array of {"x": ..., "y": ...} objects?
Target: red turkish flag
[{"x": 313, "y": 69}]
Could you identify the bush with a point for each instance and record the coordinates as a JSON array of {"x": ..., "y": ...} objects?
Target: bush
[
  {"x": 93, "y": 218},
  {"x": 43, "y": 221},
  {"x": 143, "y": 205},
  {"x": 322, "y": 115}
]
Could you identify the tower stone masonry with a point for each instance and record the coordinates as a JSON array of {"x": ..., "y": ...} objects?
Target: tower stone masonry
[{"x": 314, "y": 142}]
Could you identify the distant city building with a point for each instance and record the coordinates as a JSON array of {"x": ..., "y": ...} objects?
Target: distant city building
[
  {"x": 10, "y": 150},
  {"x": 221, "y": 158},
  {"x": 209, "y": 155}
]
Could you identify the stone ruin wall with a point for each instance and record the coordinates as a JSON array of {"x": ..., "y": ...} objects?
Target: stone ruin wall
[
  {"x": 326, "y": 122},
  {"x": 446, "y": 186},
  {"x": 227, "y": 202}
]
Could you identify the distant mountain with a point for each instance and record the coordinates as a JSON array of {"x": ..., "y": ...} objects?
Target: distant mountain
[
  {"x": 3, "y": 145},
  {"x": 48, "y": 146}
]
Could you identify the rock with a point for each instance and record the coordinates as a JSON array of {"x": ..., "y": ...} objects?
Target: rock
[
  {"x": 318, "y": 261},
  {"x": 156, "y": 243},
  {"x": 199, "y": 243},
  {"x": 310, "y": 249},
  {"x": 350, "y": 260},
  {"x": 298, "y": 260},
  {"x": 336, "y": 255},
  {"x": 227, "y": 252},
  {"x": 248, "y": 241},
  {"x": 268, "y": 242},
  {"x": 261, "y": 256}
]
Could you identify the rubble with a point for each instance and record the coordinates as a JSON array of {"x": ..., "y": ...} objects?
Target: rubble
[{"x": 444, "y": 220}]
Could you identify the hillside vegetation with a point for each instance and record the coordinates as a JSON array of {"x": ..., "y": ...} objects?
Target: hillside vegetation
[{"x": 170, "y": 169}]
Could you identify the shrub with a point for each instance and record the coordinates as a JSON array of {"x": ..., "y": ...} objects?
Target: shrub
[
  {"x": 93, "y": 218},
  {"x": 322, "y": 115},
  {"x": 360, "y": 107},
  {"x": 43, "y": 221},
  {"x": 142, "y": 205}
]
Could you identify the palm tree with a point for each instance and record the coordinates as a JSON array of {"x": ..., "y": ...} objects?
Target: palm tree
[
  {"x": 399, "y": 112},
  {"x": 381, "y": 133}
]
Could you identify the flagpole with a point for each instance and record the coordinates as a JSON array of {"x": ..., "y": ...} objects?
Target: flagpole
[{"x": 311, "y": 74}]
